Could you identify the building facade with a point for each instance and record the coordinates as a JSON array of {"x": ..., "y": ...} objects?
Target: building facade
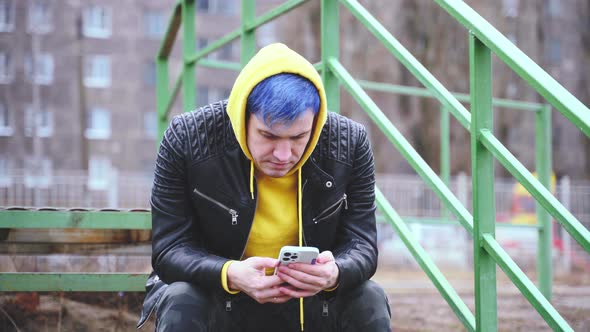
[{"x": 77, "y": 86}]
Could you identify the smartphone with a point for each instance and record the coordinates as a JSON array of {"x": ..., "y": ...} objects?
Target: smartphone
[{"x": 293, "y": 254}]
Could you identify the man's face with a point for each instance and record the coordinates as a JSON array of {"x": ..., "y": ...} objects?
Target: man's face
[{"x": 277, "y": 149}]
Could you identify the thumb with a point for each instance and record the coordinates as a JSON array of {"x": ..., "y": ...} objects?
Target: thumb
[{"x": 325, "y": 256}]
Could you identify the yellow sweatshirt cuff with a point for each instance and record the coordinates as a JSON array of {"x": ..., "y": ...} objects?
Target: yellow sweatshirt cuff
[
  {"x": 331, "y": 289},
  {"x": 224, "y": 278}
]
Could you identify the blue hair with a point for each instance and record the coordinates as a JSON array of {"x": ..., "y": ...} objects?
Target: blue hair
[{"x": 282, "y": 98}]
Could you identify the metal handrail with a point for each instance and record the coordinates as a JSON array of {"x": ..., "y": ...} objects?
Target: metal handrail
[{"x": 521, "y": 64}]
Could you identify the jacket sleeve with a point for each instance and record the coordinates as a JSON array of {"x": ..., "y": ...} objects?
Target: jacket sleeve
[
  {"x": 177, "y": 254},
  {"x": 356, "y": 244}
]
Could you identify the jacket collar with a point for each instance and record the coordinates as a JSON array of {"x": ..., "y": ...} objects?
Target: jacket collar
[{"x": 317, "y": 176}]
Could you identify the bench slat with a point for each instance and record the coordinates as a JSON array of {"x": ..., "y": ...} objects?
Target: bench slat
[
  {"x": 72, "y": 282},
  {"x": 75, "y": 219}
]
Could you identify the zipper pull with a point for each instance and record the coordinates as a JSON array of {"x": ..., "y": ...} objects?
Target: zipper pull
[
  {"x": 228, "y": 305},
  {"x": 234, "y": 216},
  {"x": 325, "y": 309},
  {"x": 345, "y": 202}
]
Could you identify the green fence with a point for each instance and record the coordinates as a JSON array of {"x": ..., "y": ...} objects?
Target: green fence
[{"x": 484, "y": 39}]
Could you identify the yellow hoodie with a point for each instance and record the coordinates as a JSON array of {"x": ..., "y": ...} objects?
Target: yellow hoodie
[{"x": 277, "y": 220}]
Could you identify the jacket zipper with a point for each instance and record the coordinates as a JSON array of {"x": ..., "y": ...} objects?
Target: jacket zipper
[
  {"x": 321, "y": 216},
  {"x": 147, "y": 317},
  {"x": 232, "y": 212},
  {"x": 303, "y": 230},
  {"x": 252, "y": 224}
]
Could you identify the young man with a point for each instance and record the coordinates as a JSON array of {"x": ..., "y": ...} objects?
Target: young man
[{"x": 237, "y": 180}]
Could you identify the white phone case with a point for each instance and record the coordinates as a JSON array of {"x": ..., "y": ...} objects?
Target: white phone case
[{"x": 293, "y": 254}]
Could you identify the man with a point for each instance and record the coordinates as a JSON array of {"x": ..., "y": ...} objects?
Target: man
[{"x": 236, "y": 181}]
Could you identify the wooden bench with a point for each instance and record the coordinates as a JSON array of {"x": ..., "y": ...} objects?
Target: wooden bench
[{"x": 19, "y": 218}]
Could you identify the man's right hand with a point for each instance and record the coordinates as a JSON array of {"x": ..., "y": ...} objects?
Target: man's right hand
[{"x": 249, "y": 277}]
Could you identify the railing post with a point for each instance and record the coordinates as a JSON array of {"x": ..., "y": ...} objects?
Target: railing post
[
  {"x": 161, "y": 96},
  {"x": 248, "y": 40},
  {"x": 330, "y": 49},
  {"x": 482, "y": 161},
  {"x": 188, "y": 49},
  {"x": 543, "y": 165},
  {"x": 565, "y": 197},
  {"x": 445, "y": 163}
]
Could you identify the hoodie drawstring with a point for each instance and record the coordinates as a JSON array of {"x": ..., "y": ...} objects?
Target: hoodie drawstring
[
  {"x": 300, "y": 220},
  {"x": 252, "y": 179}
]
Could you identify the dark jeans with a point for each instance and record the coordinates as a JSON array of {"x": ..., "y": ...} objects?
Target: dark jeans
[{"x": 185, "y": 307}]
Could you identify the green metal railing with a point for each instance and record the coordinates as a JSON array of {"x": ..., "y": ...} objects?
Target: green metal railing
[
  {"x": 487, "y": 253},
  {"x": 484, "y": 39}
]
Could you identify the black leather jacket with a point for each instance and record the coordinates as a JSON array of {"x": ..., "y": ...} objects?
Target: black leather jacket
[{"x": 202, "y": 209}]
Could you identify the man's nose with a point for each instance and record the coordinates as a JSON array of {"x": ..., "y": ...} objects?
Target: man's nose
[{"x": 282, "y": 151}]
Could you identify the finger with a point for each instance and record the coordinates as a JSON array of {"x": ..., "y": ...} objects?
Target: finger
[
  {"x": 270, "y": 281},
  {"x": 272, "y": 295},
  {"x": 296, "y": 293},
  {"x": 279, "y": 298},
  {"x": 315, "y": 270},
  {"x": 263, "y": 262},
  {"x": 301, "y": 280},
  {"x": 324, "y": 257}
]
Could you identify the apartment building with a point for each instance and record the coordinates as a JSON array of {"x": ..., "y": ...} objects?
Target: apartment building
[{"x": 77, "y": 84}]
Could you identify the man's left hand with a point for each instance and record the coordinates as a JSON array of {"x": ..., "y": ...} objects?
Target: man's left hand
[{"x": 307, "y": 280}]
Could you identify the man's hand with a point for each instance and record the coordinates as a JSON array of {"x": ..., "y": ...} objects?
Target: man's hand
[
  {"x": 249, "y": 277},
  {"x": 307, "y": 280}
]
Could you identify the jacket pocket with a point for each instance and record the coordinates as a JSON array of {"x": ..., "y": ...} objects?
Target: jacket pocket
[
  {"x": 232, "y": 212},
  {"x": 331, "y": 210}
]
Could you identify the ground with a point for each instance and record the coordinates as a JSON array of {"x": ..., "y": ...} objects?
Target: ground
[{"x": 416, "y": 305}]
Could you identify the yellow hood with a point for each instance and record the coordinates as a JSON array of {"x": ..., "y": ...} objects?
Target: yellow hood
[{"x": 271, "y": 60}]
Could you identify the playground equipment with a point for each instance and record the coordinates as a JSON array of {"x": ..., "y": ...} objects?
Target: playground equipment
[{"x": 484, "y": 39}]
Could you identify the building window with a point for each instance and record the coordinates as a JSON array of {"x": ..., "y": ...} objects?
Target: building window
[
  {"x": 97, "y": 22},
  {"x": 149, "y": 74},
  {"x": 201, "y": 44},
  {"x": 226, "y": 7},
  {"x": 226, "y": 52},
  {"x": 202, "y": 95},
  {"x": 150, "y": 124},
  {"x": 154, "y": 24},
  {"x": 266, "y": 34},
  {"x": 510, "y": 8},
  {"x": 40, "y": 71},
  {"x": 5, "y": 165},
  {"x": 554, "y": 50},
  {"x": 6, "y": 15},
  {"x": 38, "y": 175},
  {"x": 203, "y": 5},
  {"x": 40, "y": 19},
  {"x": 99, "y": 172},
  {"x": 223, "y": 7},
  {"x": 6, "y": 68},
  {"x": 554, "y": 8},
  {"x": 97, "y": 71},
  {"x": 42, "y": 118},
  {"x": 98, "y": 124},
  {"x": 5, "y": 127},
  {"x": 225, "y": 93}
]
